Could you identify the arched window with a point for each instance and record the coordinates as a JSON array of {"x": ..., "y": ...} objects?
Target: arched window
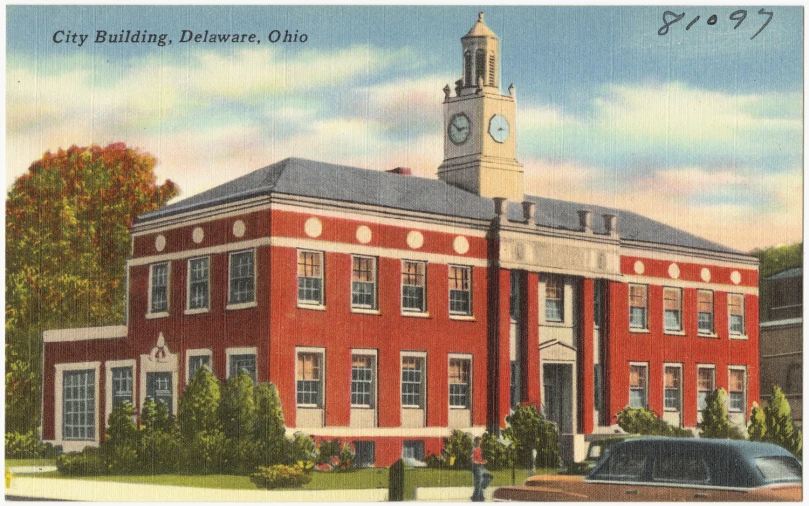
[
  {"x": 794, "y": 379},
  {"x": 491, "y": 70},
  {"x": 480, "y": 66},
  {"x": 467, "y": 67}
]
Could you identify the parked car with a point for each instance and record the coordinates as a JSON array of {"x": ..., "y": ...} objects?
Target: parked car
[
  {"x": 595, "y": 451},
  {"x": 672, "y": 469}
]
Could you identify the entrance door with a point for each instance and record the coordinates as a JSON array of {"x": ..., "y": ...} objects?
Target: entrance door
[
  {"x": 558, "y": 381},
  {"x": 158, "y": 387}
]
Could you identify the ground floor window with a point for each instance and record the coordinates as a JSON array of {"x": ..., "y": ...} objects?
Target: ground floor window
[
  {"x": 197, "y": 361},
  {"x": 413, "y": 450},
  {"x": 309, "y": 379},
  {"x": 121, "y": 385},
  {"x": 246, "y": 363},
  {"x": 364, "y": 453},
  {"x": 159, "y": 388},
  {"x": 671, "y": 388},
  {"x": 78, "y": 409},
  {"x": 706, "y": 381},
  {"x": 737, "y": 387},
  {"x": 638, "y": 374}
]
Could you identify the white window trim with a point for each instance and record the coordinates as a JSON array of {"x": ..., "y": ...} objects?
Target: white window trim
[
  {"x": 108, "y": 366},
  {"x": 423, "y": 313},
  {"x": 645, "y": 365},
  {"x": 73, "y": 445},
  {"x": 744, "y": 372},
  {"x": 469, "y": 315},
  {"x": 322, "y": 353},
  {"x": 305, "y": 304},
  {"x": 679, "y": 366},
  {"x": 243, "y": 350},
  {"x": 562, "y": 322},
  {"x": 645, "y": 328},
  {"x": 470, "y": 396},
  {"x": 374, "y": 309},
  {"x": 254, "y": 302},
  {"x": 161, "y": 314},
  {"x": 422, "y": 355},
  {"x": 743, "y": 335},
  {"x": 712, "y": 367},
  {"x": 672, "y": 332},
  {"x": 198, "y": 310},
  {"x": 167, "y": 364},
  {"x": 374, "y": 382},
  {"x": 199, "y": 352}
]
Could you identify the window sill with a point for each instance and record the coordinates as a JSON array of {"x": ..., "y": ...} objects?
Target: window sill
[
  {"x": 415, "y": 314},
  {"x": 737, "y": 337},
  {"x": 674, "y": 332},
  {"x": 559, "y": 325},
  {"x": 152, "y": 316},
  {"x": 308, "y": 406},
  {"x": 462, "y": 317},
  {"x": 707, "y": 335},
  {"x": 638, "y": 331},
  {"x": 360, "y": 310},
  {"x": 459, "y": 407},
  {"x": 412, "y": 407},
  {"x": 241, "y": 305},
  {"x": 200, "y": 310},
  {"x": 362, "y": 406},
  {"x": 311, "y": 307}
]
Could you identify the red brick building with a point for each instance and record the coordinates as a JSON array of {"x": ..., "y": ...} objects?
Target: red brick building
[{"x": 390, "y": 309}]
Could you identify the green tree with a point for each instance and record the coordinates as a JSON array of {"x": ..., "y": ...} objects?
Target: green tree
[
  {"x": 67, "y": 240},
  {"x": 199, "y": 406},
  {"x": 644, "y": 421},
  {"x": 270, "y": 431},
  {"x": 773, "y": 260},
  {"x": 529, "y": 430},
  {"x": 120, "y": 447},
  {"x": 779, "y": 426},
  {"x": 757, "y": 429},
  {"x": 237, "y": 412},
  {"x": 715, "y": 422},
  {"x": 159, "y": 445}
]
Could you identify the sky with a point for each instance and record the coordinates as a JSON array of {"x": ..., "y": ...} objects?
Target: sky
[{"x": 700, "y": 128}]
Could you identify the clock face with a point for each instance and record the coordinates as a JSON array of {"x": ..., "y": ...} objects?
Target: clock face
[
  {"x": 459, "y": 128},
  {"x": 498, "y": 128}
]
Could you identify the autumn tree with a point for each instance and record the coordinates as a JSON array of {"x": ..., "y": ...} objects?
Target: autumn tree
[{"x": 67, "y": 239}]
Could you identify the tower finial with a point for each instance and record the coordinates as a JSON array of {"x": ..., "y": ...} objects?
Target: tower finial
[{"x": 480, "y": 17}]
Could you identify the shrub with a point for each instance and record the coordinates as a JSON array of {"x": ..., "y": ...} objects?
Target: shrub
[
  {"x": 160, "y": 445},
  {"x": 90, "y": 462},
  {"x": 280, "y": 476},
  {"x": 237, "y": 409},
  {"x": 645, "y": 422},
  {"x": 497, "y": 454},
  {"x": 25, "y": 445},
  {"x": 346, "y": 456},
  {"x": 303, "y": 448},
  {"x": 327, "y": 450},
  {"x": 715, "y": 422},
  {"x": 207, "y": 453},
  {"x": 529, "y": 431},
  {"x": 434, "y": 461},
  {"x": 774, "y": 424},
  {"x": 120, "y": 448},
  {"x": 272, "y": 446},
  {"x": 458, "y": 450},
  {"x": 199, "y": 406}
]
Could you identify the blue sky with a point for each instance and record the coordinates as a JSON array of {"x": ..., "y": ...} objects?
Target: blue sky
[{"x": 699, "y": 128}]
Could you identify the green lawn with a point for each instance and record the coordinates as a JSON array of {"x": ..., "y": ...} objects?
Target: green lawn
[{"x": 30, "y": 462}]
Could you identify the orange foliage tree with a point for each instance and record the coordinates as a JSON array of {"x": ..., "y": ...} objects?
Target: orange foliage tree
[{"x": 67, "y": 240}]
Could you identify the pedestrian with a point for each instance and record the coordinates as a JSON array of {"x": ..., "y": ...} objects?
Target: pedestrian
[{"x": 480, "y": 476}]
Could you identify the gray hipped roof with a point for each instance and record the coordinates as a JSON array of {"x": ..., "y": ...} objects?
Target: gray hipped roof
[
  {"x": 795, "y": 272},
  {"x": 307, "y": 178}
]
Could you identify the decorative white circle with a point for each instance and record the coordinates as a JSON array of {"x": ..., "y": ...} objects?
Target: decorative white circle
[
  {"x": 239, "y": 228},
  {"x": 313, "y": 227},
  {"x": 639, "y": 267},
  {"x": 674, "y": 271},
  {"x": 736, "y": 277},
  {"x": 198, "y": 235},
  {"x": 460, "y": 245},
  {"x": 414, "y": 239},
  {"x": 160, "y": 242},
  {"x": 705, "y": 274},
  {"x": 364, "y": 234}
]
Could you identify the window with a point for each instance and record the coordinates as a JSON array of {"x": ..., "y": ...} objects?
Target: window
[
  {"x": 491, "y": 70},
  {"x": 637, "y": 386},
  {"x": 242, "y": 278},
  {"x": 121, "y": 385},
  {"x": 198, "y": 283},
  {"x": 412, "y": 382},
  {"x": 364, "y": 453},
  {"x": 705, "y": 385},
  {"x": 460, "y": 290},
  {"x": 480, "y": 66},
  {"x": 413, "y": 282},
  {"x": 362, "y": 380},
  {"x": 737, "y": 386},
  {"x": 637, "y": 306},
  {"x": 159, "y": 388},
  {"x": 598, "y": 388},
  {"x": 245, "y": 362},
  {"x": 554, "y": 299},
  {"x": 597, "y": 305},
  {"x": 310, "y": 277},
  {"x": 672, "y": 309},
  {"x": 680, "y": 468},
  {"x": 736, "y": 310},
  {"x": 626, "y": 464},
  {"x": 197, "y": 361},
  {"x": 671, "y": 387},
  {"x": 705, "y": 311},
  {"x": 78, "y": 405},
  {"x": 467, "y": 59},
  {"x": 159, "y": 293},
  {"x": 363, "y": 282},
  {"x": 309, "y": 379},
  {"x": 413, "y": 450},
  {"x": 459, "y": 382}
]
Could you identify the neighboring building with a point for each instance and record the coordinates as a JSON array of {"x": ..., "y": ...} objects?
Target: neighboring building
[
  {"x": 390, "y": 309},
  {"x": 782, "y": 338}
]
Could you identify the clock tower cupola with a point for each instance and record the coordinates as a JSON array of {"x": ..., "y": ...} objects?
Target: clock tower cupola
[{"x": 480, "y": 149}]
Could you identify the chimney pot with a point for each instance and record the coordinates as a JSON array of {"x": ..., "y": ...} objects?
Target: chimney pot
[
  {"x": 611, "y": 224},
  {"x": 500, "y": 206},
  {"x": 586, "y": 220},
  {"x": 529, "y": 212}
]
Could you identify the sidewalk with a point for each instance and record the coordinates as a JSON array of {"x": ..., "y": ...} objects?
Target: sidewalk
[
  {"x": 86, "y": 490},
  {"x": 450, "y": 494}
]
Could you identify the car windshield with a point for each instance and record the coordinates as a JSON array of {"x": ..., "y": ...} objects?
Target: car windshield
[{"x": 779, "y": 468}]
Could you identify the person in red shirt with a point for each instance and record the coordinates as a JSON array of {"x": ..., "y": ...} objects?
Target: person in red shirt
[{"x": 480, "y": 476}]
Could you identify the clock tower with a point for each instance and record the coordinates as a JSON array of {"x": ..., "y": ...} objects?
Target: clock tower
[{"x": 480, "y": 149}]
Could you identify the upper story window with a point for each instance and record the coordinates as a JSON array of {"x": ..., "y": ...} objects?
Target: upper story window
[
  {"x": 310, "y": 277},
  {"x": 672, "y": 309},
  {"x": 159, "y": 288},
  {"x": 598, "y": 287},
  {"x": 198, "y": 283},
  {"x": 736, "y": 313},
  {"x": 638, "y": 306},
  {"x": 491, "y": 70},
  {"x": 460, "y": 375},
  {"x": 638, "y": 379},
  {"x": 363, "y": 282},
  {"x": 467, "y": 67},
  {"x": 413, "y": 286},
  {"x": 242, "y": 278},
  {"x": 554, "y": 299},
  {"x": 460, "y": 290},
  {"x": 480, "y": 66},
  {"x": 705, "y": 311}
]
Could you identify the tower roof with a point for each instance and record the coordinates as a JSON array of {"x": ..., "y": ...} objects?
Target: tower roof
[{"x": 480, "y": 29}]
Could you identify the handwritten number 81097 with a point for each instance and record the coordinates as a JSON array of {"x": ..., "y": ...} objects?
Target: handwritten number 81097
[{"x": 669, "y": 18}]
